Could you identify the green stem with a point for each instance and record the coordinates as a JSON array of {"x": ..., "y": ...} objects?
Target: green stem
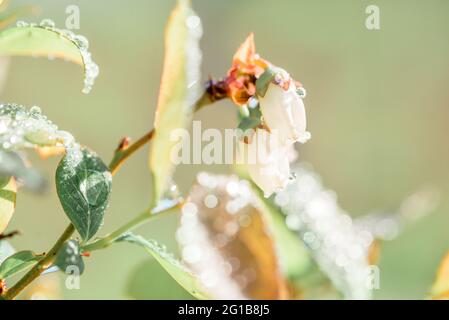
[
  {"x": 41, "y": 266},
  {"x": 129, "y": 226},
  {"x": 119, "y": 157}
]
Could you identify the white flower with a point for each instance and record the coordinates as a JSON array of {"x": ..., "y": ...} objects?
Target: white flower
[
  {"x": 283, "y": 110},
  {"x": 266, "y": 160}
]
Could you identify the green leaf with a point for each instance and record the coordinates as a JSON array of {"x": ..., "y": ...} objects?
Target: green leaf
[
  {"x": 178, "y": 93},
  {"x": 83, "y": 183},
  {"x": 18, "y": 262},
  {"x": 175, "y": 268},
  {"x": 150, "y": 275},
  {"x": 45, "y": 40},
  {"x": 264, "y": 81},
  {"x": 8, "y": 190},
  {"x": 69, "y": 256}
]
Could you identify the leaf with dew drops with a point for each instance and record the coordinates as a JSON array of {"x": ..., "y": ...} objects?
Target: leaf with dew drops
[
  {"x": 226, "y": 240},
  {"x": 174, "y": 267},
  {"x": 83, "y": 183},
  {"x": 8, "y": 190},
  {"x": 45, "y": 40},
  {"x": 179, "y": 90},
  {"x": 22, "y": 128}
]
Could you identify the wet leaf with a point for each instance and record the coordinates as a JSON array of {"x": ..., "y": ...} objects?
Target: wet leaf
[
  {"x": 440, "y": 288},
  {"x": 69, "y": 256},
  {"x": 8, "y": 190},
  {"x": 45, "y": 40},
  {"x": 18, "y": 262},
  {"x": 179, "y": 90},
  {"x": 22, "y": 128},
  {"x": 83, "y": 183},
  {"x": 176, "y": 269},
  {"x": 225, "y": 239}
]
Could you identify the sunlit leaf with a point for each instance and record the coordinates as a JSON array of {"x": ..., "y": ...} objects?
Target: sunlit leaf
[
  {"x": 440, "y": 288},
  {"x": 178, "y": 92},
  {"x": 175, "y": 268},
  {"x": 83, "y": 183},
  {"x": 8, "y": 190},
  {"x": 150, "y": 275},
  {"x": 225, "y": 239},
  {"x": 69, "y": 256},
  {"x": 22, "y": 128},
  {"x": 28, "y": 128},
  {"x": 45, "y": 40},
  {"x": 17, "y": 263}
]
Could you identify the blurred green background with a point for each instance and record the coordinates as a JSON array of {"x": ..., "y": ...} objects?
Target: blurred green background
[{"x": 377, "y": 109}]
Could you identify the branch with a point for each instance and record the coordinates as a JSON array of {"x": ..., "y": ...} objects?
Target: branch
[{"x": 122, "y": 153}]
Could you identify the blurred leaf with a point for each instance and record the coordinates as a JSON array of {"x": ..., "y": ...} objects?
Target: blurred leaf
[
  {"x": 179, "y": 90},
  {"x": 225, "y": 238},
  {"x": 8, "y": 190},
  {"x": 18, "y": 262},
  {"x": 440, "y": 288},
  {"x": 83, "y": 183},
  {"x": 4, "y": 4},
  {"x": 150, "y": 281},
  {"x": 293, "y": 265},
  {"x": 179, "y": 272},
  {"x": 12, "y": 164},
  {"x": 69, "y": 256}
]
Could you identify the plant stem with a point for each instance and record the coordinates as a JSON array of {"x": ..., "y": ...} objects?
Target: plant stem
[
  {"x": 120, "y": 156},
  {"x": 41, "y": 266},
  {"x": 136, "y": 222}
]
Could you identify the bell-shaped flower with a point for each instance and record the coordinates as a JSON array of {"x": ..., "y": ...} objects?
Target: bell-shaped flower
[
  {"x": 266, "y": 160},
  {"x": 283, "y": 109}
]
